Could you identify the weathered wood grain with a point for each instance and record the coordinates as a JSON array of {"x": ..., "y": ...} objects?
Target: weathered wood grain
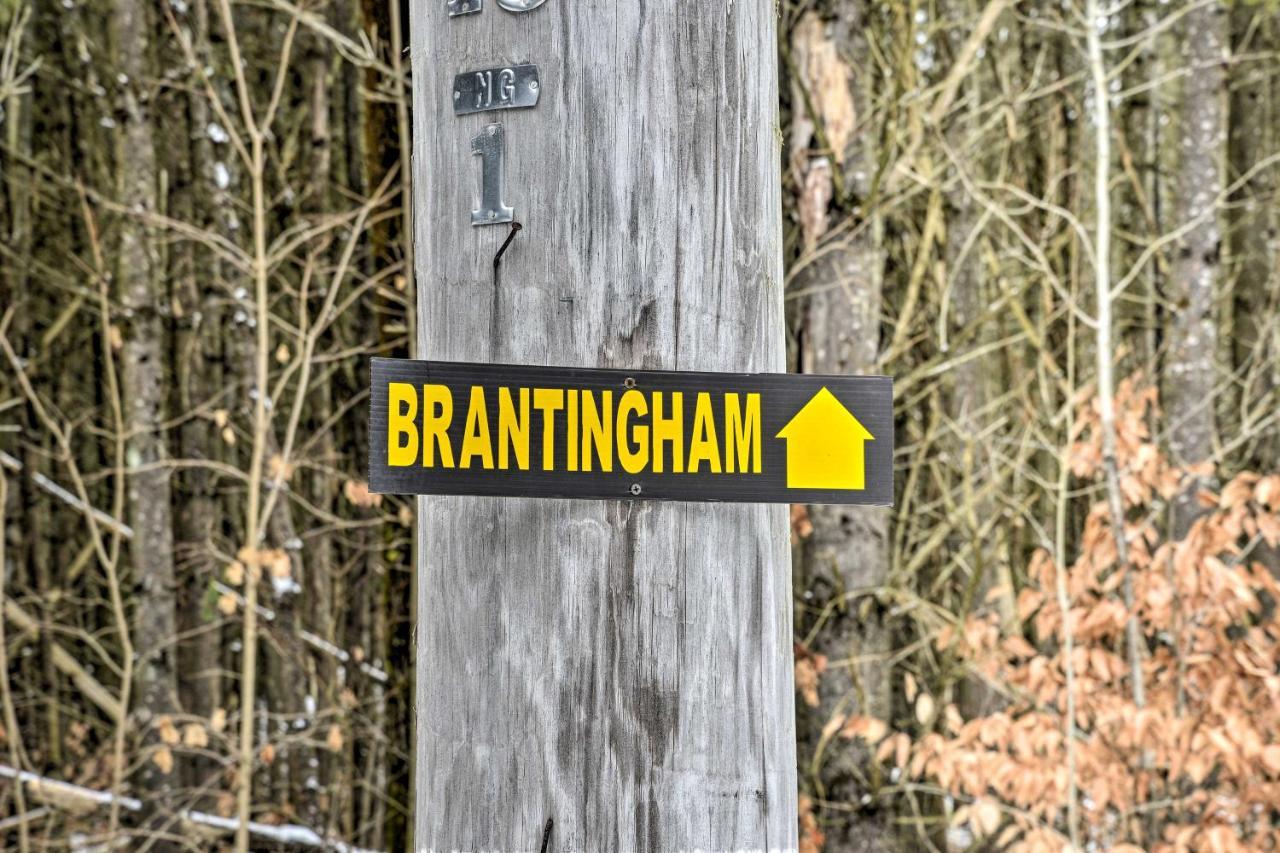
[{"x": 621, "y": 668}]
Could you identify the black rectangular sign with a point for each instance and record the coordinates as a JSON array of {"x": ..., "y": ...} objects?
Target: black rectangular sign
[{"x": 448, "y": 428}]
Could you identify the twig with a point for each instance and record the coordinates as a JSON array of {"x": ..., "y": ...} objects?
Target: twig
[
  {"x": 67, "y": 664},
  {"x": 10, "y": 717},
  {"x": 47, "y": 485},
  {"x": 316, "y": 642},
  {"x": 60, "y": 793},
  {"x": 1105, "y": 346}
]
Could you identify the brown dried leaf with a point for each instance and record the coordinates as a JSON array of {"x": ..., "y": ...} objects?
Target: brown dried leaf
[
  {"x": 218, "y": 721},
  {"x": 267, "y": 754},
  {"x": 924, "y": 708},
  {"x": 167, "y": 731},
  {"x": 1267, "y": 492},
  {"x": 277, "y": 562},
  {"x": 807, "y": 681},
  {"x": 1271, "y": 759},
  {"x": 985, "y": 816},
  {"x": 227, "y": 604},
  {"x": 869, "y": 729},
  {"x": 357, "y": 492},
  {"x": 281, "y": 471},
  {"x": 333, "y": 740},
  {"x": 1269, "y": 529},
  {"x": 234, "y": 573},
  {"x": 195, "y": 736},
  {"x": 801, "y": 526},
  {"x": 811, "y": 837},
  {"x": 163, "y": 758}
]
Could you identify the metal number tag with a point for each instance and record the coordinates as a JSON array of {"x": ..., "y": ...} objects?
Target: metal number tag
[
  {"x": 490, "y": 144},
  {"x": 508, "y": 88},
  {"x": 520, "y": 5}
]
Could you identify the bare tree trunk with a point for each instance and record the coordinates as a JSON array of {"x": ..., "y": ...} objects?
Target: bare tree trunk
[
  {"x": 144, "y": 299},
  {"x": 845, "y": 557},
  {"x": 977, "y": 383},
  {"x": 1251, "y": 335},
  {"x": 1252, "y": 338},
  {"x": 196, "y": 367},
  {"x": 1189, "y": 392}
]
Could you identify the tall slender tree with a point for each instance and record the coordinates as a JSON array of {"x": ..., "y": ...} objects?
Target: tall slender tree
[
  {"x": 1190, "y": 375},
  {"x": 144, "y": 299}
]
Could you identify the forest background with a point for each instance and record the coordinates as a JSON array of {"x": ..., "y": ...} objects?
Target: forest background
[{"x": 1055, "y": 224}]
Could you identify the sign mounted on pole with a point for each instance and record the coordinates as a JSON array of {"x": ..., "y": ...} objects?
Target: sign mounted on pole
[{"x": 449, "y": 428}]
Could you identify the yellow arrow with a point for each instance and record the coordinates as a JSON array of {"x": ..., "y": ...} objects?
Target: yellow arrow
[{"x": 826, "y": 446}]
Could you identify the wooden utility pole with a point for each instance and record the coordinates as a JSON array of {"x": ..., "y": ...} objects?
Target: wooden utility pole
[{"x": 620, "y": 668}]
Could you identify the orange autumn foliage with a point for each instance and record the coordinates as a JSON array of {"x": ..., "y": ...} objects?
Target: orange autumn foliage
[{"x": 1197, "y": 766}]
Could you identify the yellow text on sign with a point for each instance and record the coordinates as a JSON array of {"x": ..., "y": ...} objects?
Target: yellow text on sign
[
  {"x": 826, "y": 446},
  {"x": 633, "y": 431}
]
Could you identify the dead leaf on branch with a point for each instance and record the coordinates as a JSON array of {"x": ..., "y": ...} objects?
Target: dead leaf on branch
[
  {"x": 801, "y": 526},
  {"x": 274, "y": 560},
  {"x": 984, "y": 815},
  {"x": 333, "y": 740},
  {"x": 167, "y": 731},
  {"x": 809, "y": 668},
  {"x": 163, "y": 758},
  {"x": 227, "y": 604},
  {"x": 218, "y": 722},
  {"x": 281, "y": 471},
  {"x": 1267, "y": 492},
  {"x": 807, "y": 681},
  {"x": 278, "y": 563},
  {"x": 868, "y": 729},
  {"x": 811, "y": 837},
  {"x": 195, "y": 736},
  {"x": 357, "y": 492},
  {"x": 924, "y": 709}
]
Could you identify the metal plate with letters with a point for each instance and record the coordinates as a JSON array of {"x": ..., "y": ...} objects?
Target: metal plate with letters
[
  {"x": 448, "y": 428},
  {"x": 504, "y": 88},
  {"x": 463, "y": 7}
]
